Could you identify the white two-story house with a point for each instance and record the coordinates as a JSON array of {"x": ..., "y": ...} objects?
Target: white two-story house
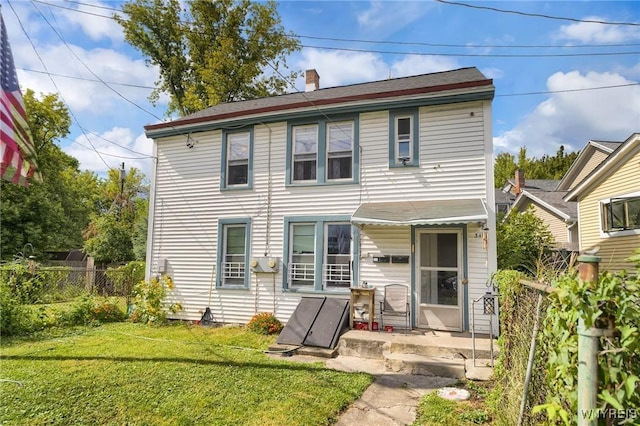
[{"x": 256, "y": 204}]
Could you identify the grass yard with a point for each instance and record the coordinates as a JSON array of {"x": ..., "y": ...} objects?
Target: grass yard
[{"x": 125, "y": 373}]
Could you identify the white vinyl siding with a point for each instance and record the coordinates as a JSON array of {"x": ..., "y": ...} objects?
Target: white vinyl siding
[{"x": 188, "y": 205}]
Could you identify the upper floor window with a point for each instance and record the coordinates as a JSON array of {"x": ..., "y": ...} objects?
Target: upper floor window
[
  {"x": 403, "y": 138},
  {"x": 620, "y": 214},
  {"x": 340, "y": 150},
  {"x": 305, "y": 152},
  {"x": 325, "y": 151},
  {"x": 233, "y": 253},
  {"x": 237, "y": 159}
]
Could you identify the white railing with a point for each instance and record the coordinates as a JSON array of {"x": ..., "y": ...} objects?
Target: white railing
[
  {"x": 233, "y": 269},
  {"x": 301, "y": 272},
  {"x": 336, "y": 274}
]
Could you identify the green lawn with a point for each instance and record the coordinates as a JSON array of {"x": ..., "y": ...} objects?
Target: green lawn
[{"x": 127, "y": 373}]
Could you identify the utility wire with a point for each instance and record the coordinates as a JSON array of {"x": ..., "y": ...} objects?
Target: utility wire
[
  {"x": 484, "y": 55},
  {"x": 537, "y": 15},
  {"x": 90, "y": 70},
  {"x": 53, "y": 81},
  {"x": 135, "y": 86},
  {"x": 345, "y": 40}
]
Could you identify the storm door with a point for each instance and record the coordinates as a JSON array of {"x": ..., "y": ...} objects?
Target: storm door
[{"x": 439, "y": 274}]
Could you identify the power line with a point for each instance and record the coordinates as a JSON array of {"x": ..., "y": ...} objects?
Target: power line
[
  {"x": 567, "y": 90},
  {"x": 400, "y": 43},
  {"x": 52, "y": 80},
  {"x": 91, "y": 71},
  {"x": 468, "y": 45},
  {"x": 537, "y": 15},
  {"x": 135, "y": 86},
  {"x": 485, "y": 55}
]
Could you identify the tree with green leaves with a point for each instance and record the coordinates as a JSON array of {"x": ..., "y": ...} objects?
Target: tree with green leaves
[
  {"x": 210, "y": 52},
  {"x": 545, "y": 167},
  {"x": 115, "y": 232},
  {"x": 523, "y": 241},
  {"x": 48, "y": 215}
]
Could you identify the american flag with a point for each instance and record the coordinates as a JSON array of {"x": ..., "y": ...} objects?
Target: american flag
[{"x": 17, "y": 155}]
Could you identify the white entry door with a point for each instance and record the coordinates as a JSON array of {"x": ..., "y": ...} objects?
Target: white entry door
[{"x": 439, "y": 277}]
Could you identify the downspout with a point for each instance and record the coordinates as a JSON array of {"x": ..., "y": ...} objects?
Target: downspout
[{"x": 151, "y": 214}]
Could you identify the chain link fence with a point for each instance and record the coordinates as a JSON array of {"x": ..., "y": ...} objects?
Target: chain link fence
[
  {"x": 47, "y": 284},
  {"x": 522, "y": 310}
]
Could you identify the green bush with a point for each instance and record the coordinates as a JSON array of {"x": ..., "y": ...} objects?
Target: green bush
[
  {"x": 614, "y": 303},
  {"x": 12, "y": 312},
  {"x": 125, "y": 277},
  {"x": 265, "y": 323},
  {"x": 149, "y": 301}
]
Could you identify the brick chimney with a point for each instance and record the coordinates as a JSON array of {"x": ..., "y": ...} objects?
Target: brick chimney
[
  {"x": 312, "y": 81},
  {"x": 519, "y": 182}
]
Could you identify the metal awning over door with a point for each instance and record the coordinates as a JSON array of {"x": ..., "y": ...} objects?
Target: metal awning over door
[{"x": 431, "y": 212}]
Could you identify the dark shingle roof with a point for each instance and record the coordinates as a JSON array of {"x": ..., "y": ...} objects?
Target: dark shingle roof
[
  {"x": 555, "y": 200},
  {"x": 464, "y": 78}
]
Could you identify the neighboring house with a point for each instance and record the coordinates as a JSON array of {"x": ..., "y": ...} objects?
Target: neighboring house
[
  {"x": 559, "y": 215},
  {"x": 609, "y": 206},
  {"x": 594, "y": 153},
  {"x": 256, "y": 204},
  {"x": 506, "y": 196}
]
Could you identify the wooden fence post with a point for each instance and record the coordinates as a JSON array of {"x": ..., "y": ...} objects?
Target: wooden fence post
[{"x": 91, "y": 275}]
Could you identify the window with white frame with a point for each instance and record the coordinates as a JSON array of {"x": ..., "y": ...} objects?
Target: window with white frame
[
  {"x": 340, "y": 150},
  {"x": 323, "y": 151},
  {"x": 302, "y": 255},
  {"x": 305, "y": 152},
  {"x": 238, "y": 158},
  {"x": 234, "y": 254},
  {"x": 404, "y": 147},
  {"x": 320, "y": 254},
  {"x": 403, "y": 138},
  {"x": 337, "y": 255},
  {"x": 621, "y": 214}
]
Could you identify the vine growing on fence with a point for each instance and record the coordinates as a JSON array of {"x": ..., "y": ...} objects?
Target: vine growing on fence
[{"x": 612, "y": 302}]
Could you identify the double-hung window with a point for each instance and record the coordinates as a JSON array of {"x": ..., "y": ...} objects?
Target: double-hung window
[
  {"x": 337, "y": 255},
  {"x": 305, "y": 153},
  {"x": 320, "y": 254},
  {"x": 233, "y": 249},
  {"x": 403, "y": 138},
  {"x": 302, "y": 255},
  {"x": 340, "y": 150},
  {"x": 237, "y": 160},
  {"x": 324, "y": 151},
  {"x": 621, "y": 214}
]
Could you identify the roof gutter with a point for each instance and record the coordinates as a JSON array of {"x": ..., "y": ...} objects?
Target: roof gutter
[{"x": 373, "y": 101}]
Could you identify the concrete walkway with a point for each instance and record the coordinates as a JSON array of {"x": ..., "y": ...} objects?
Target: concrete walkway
[{"x": 391, "y": 400}]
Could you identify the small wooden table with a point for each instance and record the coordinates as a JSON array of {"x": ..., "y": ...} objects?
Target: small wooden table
[{"x": 356, "y": 293}]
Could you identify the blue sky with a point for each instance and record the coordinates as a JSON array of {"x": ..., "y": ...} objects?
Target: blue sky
[{"x": 553, "y": 77}]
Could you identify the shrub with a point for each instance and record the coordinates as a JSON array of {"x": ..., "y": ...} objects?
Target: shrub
[
  {"x": 149, "y": 300},
  {"x": 12, "y": 312},
  {"x": 125, "y": 277},
  {"x": 265, "y": 323}
]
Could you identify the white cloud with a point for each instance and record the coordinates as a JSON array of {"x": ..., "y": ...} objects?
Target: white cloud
[
  {"x": 587, "y": 32},
  {"x": 84, "y": 91},
  {"x": 387, "y": 17},
  {"x": 571, "y": 118},
  {"x": 418, "y": 64},
  {"x": 96, "y": 27},
  {"x": 338, "y": 68},
  {"x": 113, "y": 147}
]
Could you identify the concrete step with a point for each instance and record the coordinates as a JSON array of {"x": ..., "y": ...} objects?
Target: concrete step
[
  {"x": 425, "y": 365},
  {"x": 445, "y": 351}
]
